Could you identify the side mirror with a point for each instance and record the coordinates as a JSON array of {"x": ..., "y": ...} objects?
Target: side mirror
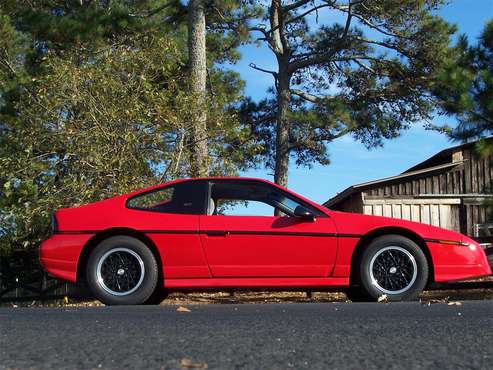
[{"x": 304, "y": 214}]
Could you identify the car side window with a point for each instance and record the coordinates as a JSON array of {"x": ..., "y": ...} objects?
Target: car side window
[
  {"x": 246, "y": 198},
  {"x": 243, "y": 208},
  {"x": 183, "y": 198}
]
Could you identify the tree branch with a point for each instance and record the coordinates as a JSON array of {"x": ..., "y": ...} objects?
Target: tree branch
[
  {"x": 295, "y": 5},
  {"x": 348, "y": 21},
  {"x": 327, "y": 56},
  {"x": 254, "y": 66},
  {"x": 306, "y": 96},
  {"x": 309, "y": 97},
  {"x": 313, "y": 60},
  {"x": 302, "y": 15},
  {"x": 366, "y": 21},
  {"x": 152, "y": 12},
  {"x": 276, "y": 44},
  {"x": 364, "y": 66},
  {"x": 259, "y": 29},
  {"x": 382, "y": 44},
  {"x": 5, "y": 61}
]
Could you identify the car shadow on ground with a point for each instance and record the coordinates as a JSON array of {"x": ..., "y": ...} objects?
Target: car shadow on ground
[{"x": 481, "y": 289}]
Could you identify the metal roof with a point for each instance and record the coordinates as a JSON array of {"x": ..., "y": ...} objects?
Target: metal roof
[
  {"x": 409, "y": 173},
  {"x": 444, "y": 156}
]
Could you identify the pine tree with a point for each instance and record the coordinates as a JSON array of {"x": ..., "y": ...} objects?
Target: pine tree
[
  {"x": 464, "y": 88},
  {"x": 367, "y": 73},
  {"x": 94, "y": 102},
  {"x": 197, "y": 59}
]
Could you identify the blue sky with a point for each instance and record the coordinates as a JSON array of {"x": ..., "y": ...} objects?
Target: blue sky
[{"x": 351, "y": 162}]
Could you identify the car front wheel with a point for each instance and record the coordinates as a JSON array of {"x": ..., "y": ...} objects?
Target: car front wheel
[
  {"x": 121, "y": 270},
  {"x": 393, "y": 266}
]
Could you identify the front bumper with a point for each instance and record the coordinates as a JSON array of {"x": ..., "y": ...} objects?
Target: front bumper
[{"x": 458, "y": 262}]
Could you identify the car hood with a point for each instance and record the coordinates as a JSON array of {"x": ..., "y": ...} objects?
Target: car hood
[{"x": 355, "y": 223}]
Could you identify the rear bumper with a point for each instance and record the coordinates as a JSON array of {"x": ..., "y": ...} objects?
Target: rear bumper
[
  {"x": 59, "y": 254},
  {"x": 458, "y": 262}
]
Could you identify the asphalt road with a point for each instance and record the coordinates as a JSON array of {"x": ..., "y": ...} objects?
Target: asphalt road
[{"x": 270, "y": 336}]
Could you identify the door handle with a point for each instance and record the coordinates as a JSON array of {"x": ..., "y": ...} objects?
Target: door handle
[{"x": 216, "y": 232}]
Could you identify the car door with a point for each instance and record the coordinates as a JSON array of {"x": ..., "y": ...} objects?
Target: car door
[{"x": 258, "y": 243}]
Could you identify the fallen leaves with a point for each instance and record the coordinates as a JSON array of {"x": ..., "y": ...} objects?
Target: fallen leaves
[
  {"x": 383, "y": 298},
  {"x": 429, "y": 302},
  {"x": 446, "y": 301},
  {"x": 183, "y": 309},
  {"x": 454, "y": 303},
  {"x": 187, "y": 363}
]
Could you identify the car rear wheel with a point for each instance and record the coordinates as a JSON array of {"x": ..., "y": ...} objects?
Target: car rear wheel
[
  {"x": 121, "y": 270},
  {"x": 393, "y": 266}
]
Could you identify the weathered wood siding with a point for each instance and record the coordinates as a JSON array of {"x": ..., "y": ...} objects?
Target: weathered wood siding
[
  {"x": 474, "y": 211},
  {"x": 353, "y": 203},
  {"x": 438, "y": 212},
  {"x": 472, "y": 176},
  {"x": 406, "y": 198},
  {"x": 451, "y": 182}
]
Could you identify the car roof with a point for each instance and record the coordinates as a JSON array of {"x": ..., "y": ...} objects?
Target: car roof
[
  {"x": 210, "y": 178},
  {"x": 227, "y": 178}
]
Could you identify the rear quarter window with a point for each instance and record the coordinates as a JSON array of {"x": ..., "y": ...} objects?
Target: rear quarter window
[
  {"x": 182, "y": 198},
  {"x": 151, "y": 200}
]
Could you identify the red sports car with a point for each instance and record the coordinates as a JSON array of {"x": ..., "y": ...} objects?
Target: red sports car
[{"x": 214, "y": 233}]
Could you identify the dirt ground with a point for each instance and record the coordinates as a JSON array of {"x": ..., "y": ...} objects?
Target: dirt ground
[{"x": 259, "y": 297}]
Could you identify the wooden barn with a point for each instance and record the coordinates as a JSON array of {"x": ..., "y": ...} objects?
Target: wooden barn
[{"x": 451, "y": 190}]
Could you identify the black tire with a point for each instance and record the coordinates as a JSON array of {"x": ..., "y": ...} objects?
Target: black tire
[
  {"x": 159, "y": 295},
  {"x": 489, "y": 255},
  {"x": 356, "y": 293},
  {"x": 394, "y": 266},
  {"x": 121, "y": 270}
]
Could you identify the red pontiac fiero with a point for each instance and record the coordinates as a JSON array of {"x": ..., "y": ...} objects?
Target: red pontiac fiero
[{"x": 217, "y": 233}]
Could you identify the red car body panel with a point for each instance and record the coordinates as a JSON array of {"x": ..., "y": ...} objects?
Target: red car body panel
[
  {"x": 449, "y": 262},
  {"x": 60, "y": 254},
  {"x": 202, "y": 251},
  {"x": 260, "y": 246}
]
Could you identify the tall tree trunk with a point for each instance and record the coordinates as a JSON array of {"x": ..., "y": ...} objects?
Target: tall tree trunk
[
  {"x": 282, "y": 133},
  {"x": 198, "y": 75}
]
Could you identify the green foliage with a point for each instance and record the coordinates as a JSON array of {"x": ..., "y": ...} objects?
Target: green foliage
[
  {"x": 368, "y": 72},
  {"x": 90, "y": 127},
  {"x": 465, "y": 89},
  {"x": 228, "y": 27},
  {"x": 94, "y": 103}
]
